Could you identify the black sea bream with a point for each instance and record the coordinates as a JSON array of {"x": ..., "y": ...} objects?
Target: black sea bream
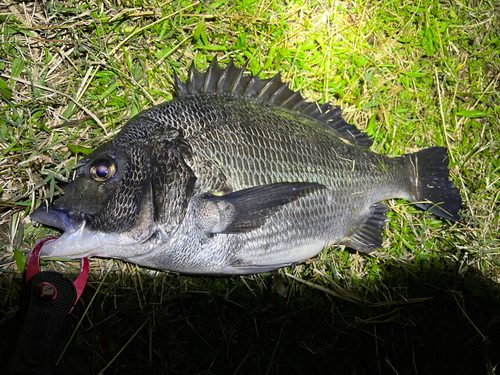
[{"x": 238, "y": 175}]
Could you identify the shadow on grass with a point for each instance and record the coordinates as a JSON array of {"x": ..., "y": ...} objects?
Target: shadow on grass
[{"x": 218, "y": 326}]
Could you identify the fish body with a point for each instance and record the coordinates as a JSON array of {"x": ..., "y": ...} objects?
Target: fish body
[{"x": 238, "y": 175}]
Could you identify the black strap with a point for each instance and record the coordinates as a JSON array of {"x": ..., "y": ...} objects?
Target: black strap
[{"x": 46, "y": 299}]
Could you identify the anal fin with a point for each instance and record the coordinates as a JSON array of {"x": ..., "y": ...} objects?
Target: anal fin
[
  {"x": 368, "y": 236},
  {"x": 255, "y": 268}
]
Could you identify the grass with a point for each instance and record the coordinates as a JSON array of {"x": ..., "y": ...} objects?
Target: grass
[{"x": 411, "y": 75}]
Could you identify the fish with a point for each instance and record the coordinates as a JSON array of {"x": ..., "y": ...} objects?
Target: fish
[{"x": 238, "y": 175}]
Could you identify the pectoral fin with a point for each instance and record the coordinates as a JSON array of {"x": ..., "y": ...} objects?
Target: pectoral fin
[{"x": 248, "y": 209}]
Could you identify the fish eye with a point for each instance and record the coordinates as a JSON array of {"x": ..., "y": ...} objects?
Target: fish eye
[{"x": 102, "y": 170}]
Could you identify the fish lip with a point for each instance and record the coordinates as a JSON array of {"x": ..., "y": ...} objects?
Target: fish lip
[
  {"x": 57, "y": 218},
  {"x": 67, "y": 240}
]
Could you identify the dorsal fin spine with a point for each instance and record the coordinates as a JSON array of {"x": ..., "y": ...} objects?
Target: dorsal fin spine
[
  {"x": 250, "y": 84},
  {"x": 273, "y": 91},
  {"x": 191, "y": 80},
  {"x": 289, "y": 99},
  {"x": 208, "y": 75},
  {"x": 237, "y": 79},
  {"x": 222, "y": 79},
  {"x": 310, "y": 109},
  {"x": 297, "y": 105},
  {"x": 267, "y": 86},
  {"x": 278, "y": 92}
]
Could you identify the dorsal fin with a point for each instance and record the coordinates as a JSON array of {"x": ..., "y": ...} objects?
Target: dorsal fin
[{"x": 271, "y": 90}]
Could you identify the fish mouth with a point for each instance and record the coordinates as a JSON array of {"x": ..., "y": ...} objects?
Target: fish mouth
[
  {"x": 80, "y": 239},
  {"x": 72, "y": 223},
  {"x": 62, "y": 247},
  {"x": 57, "y": 218}
]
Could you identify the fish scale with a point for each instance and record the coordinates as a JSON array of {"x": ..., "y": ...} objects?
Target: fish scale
[
  {"x": 238, "y": 175},
  {"x": 276, "y": 159}
]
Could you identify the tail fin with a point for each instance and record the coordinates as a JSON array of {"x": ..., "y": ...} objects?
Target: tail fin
[{"x": 434, "y": 191}]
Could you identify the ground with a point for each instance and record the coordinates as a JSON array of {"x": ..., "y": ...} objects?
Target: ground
[{"x": 412, "y": 75}]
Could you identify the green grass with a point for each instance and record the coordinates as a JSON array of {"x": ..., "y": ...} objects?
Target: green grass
[{"x": 412, "y": 75}]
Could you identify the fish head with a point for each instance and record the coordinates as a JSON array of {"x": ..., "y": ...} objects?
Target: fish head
[{"x": 125, "y": 199}]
